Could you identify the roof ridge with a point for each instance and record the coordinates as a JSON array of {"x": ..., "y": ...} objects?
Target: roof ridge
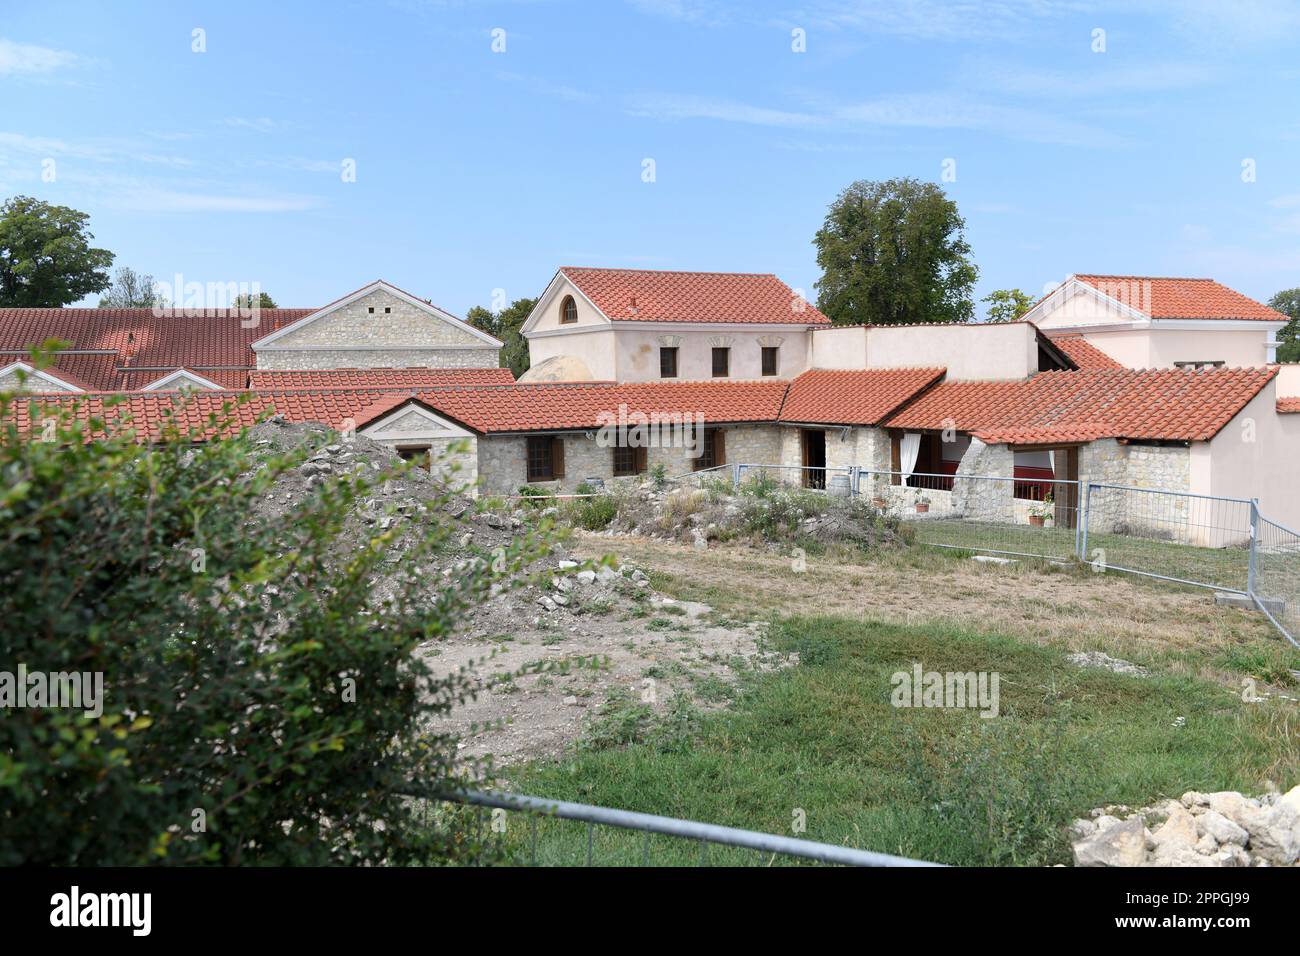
[{"x": 683, "y": 272}]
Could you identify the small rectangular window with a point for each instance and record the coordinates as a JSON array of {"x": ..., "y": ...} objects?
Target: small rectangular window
[
  {"x": 420, "y": 454},
  {"x": 629, "y": 460},
  {"x": 545, "y": 457},
  {"x": 714, "y": 451},
  {"x": 769, "y": 359},
  {"x": 668, "y": 362},
  {"x": 721, "y": 362}
]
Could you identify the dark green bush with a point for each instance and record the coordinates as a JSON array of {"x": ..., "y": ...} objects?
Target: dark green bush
[{"x": 262, "y": 702}]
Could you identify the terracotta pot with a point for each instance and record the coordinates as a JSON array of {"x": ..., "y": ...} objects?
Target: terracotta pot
[
  {"x": 1036, "y": 520},
  {"x": 880, "y": 503},
  {"x": 921, "y": 509}
]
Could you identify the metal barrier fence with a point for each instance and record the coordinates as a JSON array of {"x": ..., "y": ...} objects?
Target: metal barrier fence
[
  {"x": 1173, "y": 535},
  {"x": 1275, "y": 576},
  {"x": 1214, "y": 542},
  {"x": 625, "y": 838},
  {"x": 1003, "y": 516}
]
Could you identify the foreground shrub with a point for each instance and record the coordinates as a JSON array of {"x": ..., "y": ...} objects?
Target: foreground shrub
[{"x": 261, "y": 701}]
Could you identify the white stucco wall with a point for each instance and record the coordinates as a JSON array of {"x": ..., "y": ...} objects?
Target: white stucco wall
[
  {"x": 1288, "y": 381},
  {"x": 1257, "y": 455},
  {"x": 991, "y": 352}
]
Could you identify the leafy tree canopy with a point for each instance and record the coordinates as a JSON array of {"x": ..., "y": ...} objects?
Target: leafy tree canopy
[
  {"x": 894, "y": 252},
  {"x": 1007, "y": 305},
  {"x": 245, "y": 301},
  {"x": 131, "y": 290},
  {"x": 505, "y": 325},
  {"x": 1288, "y": 303},
  {"x": 45, "y": 255}
]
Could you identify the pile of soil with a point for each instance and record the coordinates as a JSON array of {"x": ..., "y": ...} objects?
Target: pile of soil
[{"x": 588, "y": 633}]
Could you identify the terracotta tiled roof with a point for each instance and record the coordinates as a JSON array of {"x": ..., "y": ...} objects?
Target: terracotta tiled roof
[
  {"x": 151, "y": 412},
  {"x": 1288, "y": 406},
  {"x": 368, "y": 377},
  {"x": 572, "y": 405},
  {"x": 1170, "y": 298},
  {"x": 1083, "y": 353},
  {"x": 204, "y": 340},
  {"x": 853, "y": 396},
  {"x": 658, "y": 296},
  {"x": 1169, "y": 404}
]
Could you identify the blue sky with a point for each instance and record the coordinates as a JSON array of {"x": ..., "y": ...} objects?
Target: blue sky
[{"x": 479, "y": 170}]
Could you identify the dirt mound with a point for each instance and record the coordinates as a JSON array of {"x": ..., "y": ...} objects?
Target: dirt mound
[{"x": 552, "y": 654}]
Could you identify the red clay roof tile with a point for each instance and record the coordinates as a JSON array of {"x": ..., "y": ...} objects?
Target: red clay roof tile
[
  {"x": 1083, "y": 353},
  {"x": 1174, "y": 298},
  {"x": 1168, "y": 404},
  {"x": 648, "y": 295},
  {"x": 853, "y": 396},
  {"x": 378, "y": 377}
]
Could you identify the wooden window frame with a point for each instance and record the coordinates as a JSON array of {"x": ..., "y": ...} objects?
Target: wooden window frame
[
  {"x": 668, "y": 352},
  {"x": 627, "y": 461},
  {"x": 714, "y": 450},
  {"x": 568, "y": 304},
  {"x": 724, "y": 353},
  {"x": 773, "y": 351},
  {"x": 544, "y": 458}
]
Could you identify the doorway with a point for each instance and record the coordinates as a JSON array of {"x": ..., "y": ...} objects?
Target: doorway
[{"x": 813, "y": 443}]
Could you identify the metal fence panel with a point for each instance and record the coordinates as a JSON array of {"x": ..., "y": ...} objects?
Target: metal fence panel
[
  {"x": 1276, "y": 578},
  {"x": 1027, "y": 517},
  {"x": 1177, "y": 536}
]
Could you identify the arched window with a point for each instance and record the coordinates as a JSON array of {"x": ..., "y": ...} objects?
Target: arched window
[{"x": 568, "y": 310}]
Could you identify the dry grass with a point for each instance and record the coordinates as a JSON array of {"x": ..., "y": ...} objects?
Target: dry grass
[{"x": 1177, "y": 630}]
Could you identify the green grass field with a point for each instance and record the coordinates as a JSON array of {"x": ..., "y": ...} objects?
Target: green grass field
[{"x": 945, "y": 785}]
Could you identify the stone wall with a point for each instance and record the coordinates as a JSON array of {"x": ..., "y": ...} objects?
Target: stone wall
[
  {"x": 352, "y": 336},
  {"x": 34, "y": 383},
  {"x": 985, "y": 500},
  {"x": 310, "y": 359},
  {"x": 502, "y": 460}
]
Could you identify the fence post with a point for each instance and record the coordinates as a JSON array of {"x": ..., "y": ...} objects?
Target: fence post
[
  {"x": 1253, "y": 563},
  {"x": 1082, "y": 535},
  {"x": 735, "y": 476}
]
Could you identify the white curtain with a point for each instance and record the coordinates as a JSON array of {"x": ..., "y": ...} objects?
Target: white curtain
[
  {"x": 908, "y": 449},
  {"x": 1051, "y": 462}
]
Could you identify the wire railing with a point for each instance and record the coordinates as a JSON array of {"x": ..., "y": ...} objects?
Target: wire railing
[
  {"x": 534, "y": 831},
  {"x": 1208, "y": 541},
  {"x": 1275, "y": 576},
  {"x": 1026, "y": 517}
]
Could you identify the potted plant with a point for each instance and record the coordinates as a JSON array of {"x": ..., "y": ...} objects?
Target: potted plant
[
  {"x": 922, "y": 504},
  {"x": 878, "y": 497},
  {"x": 1039, "y": 513}
]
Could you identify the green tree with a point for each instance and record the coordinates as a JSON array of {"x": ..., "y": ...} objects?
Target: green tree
[
  {"x": 262, "y": 700},
  {"x": 506, "y": 325},
  {"x": 1007, "y": 305},
  {"x": 245, "y": 301},
  {"x": 1288, "y": 303},
  {"x": 45, "y": 255},
  {"x": 894, "y": 252},
  {"x": 131, "y": 290}
]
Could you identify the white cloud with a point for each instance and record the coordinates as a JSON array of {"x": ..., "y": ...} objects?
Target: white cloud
[
  {"x": 262, "y": 124},
  {"x": 672, "y": 106},
  {"x": 1099, "y": 79},
  {"x": 919, "y": 110},
  {"x": 169, "y": 201},
  {"x": 18, "y": 59}
]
